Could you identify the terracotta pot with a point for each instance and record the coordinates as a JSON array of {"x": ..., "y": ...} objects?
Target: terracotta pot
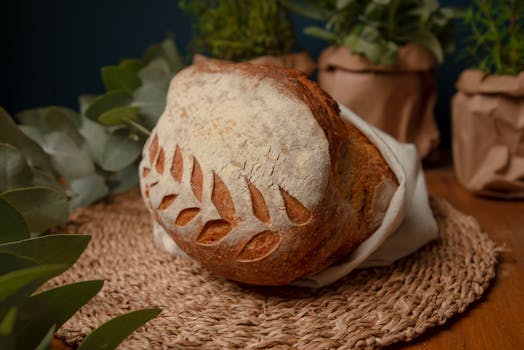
[
  {"x": 300, "y": 61},
  {"x": 398, "y": 99},
  {"x": 488, "y": 133}
]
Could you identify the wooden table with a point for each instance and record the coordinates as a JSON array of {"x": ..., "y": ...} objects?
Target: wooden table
[{"x": 497, "y": 320}]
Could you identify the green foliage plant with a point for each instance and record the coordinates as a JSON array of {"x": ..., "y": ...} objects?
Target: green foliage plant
[
  {"x": 31, "y": 202},
  {"x": 377, "y": 28},
  {"x": 240, "y": 30},
  {"x": 56, "y": 159},
  {"x": 496, "y": 40}
]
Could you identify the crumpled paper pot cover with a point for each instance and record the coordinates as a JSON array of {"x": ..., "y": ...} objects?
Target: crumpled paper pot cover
[
  {"x": 407, "y": 225},
  {"x": 398, "y": 99},
  {"x": 488, "y": 133},
  {"x": 300, "y": 61}
]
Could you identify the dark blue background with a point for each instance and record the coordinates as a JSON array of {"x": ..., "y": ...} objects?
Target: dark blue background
[{"x": 52, "y": 51}]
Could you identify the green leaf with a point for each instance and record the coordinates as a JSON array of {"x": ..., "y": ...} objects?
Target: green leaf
[
  {"x": 321, "y": 33},
  {"x": 52, "y": 307},
  {"x": 309, "y": 11},
  {"x": 58, "y": 120},
  {"x": 31, "y": 277},
  {"x": 343, "y": 3},
  {"x": 87, "y": 190},
  {"x": 11, "y": 134},
  {"x": 428, "y": 40},
  {"x": 8, "y": 322},
  {"x": 119, "y": 115},
  {"x": 108, "y": 101},
  {"x": 118, "y": 78},
  {"x": 131, "y": 64},
  {"x": 120, "y": 151},
  {"x": 12, "y": 224},
  {"x": 34, "y": 117},
  {"x": 63, "y": 249},
  {"x": 172, "y": 55},
  {"x": 68, "y": 159},
  {"x": 125, "y": 179},
  {"x": 167, "y": 51},
  {"x": 156, "y": 73},
  {"x": 41, "y": 207},
  {"x": 45, "y": 343},
  {"x": 109, "y": 335},
  {"x": 152, "y": 101},
  {"x": 14, "y": 171},
  {"x": 96, "y": 137}
]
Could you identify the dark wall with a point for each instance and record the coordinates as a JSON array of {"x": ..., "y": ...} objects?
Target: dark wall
[{"x": 52, "y": 51}]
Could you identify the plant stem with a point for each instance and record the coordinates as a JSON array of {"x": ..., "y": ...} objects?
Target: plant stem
[{"x": 139, "y": 128}]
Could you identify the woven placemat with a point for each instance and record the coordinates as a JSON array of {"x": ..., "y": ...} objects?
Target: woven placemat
[{"x": 369, "y": 308}]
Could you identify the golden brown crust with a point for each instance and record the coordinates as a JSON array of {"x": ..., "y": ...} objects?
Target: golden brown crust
[{"x": 322, "y": 235}]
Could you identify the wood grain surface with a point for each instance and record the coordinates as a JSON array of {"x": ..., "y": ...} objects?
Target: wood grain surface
[{"x": 496, "y": 321}]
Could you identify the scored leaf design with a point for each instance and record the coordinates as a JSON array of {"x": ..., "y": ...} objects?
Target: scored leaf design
[
  {"x": 177, "y": 168},
  {"x": 197, "y": 180},
  {"x": 213, "y": 231}
]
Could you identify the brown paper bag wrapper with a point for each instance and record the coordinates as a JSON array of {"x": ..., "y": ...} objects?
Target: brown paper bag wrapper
[
  {"x": 488, "y": 133},
  {"x": 300, "y": 61},
  {"x": 398, "y": 99}
]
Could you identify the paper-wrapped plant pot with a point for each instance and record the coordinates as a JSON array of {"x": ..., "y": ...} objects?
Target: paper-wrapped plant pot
[
  {"x": 397, "y": 99},
  {"x": 488, "y": 133}
]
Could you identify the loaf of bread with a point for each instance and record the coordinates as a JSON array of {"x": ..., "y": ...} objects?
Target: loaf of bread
[{"x": 254, "y": 174}]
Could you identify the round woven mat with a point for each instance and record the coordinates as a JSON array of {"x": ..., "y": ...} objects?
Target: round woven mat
[{"x": 369, "y": 308}]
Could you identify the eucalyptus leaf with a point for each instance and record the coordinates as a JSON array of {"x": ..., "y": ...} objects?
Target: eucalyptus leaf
[
  {"x": 110, "y": 334},
  {"x": 96, "y": 137},
  {"x": 156, "y": 73},
  {"x": 57, "y": 249},
  {"x": 45, "y": 343},
  {"x": 118, "y": 78},
  {"x": 45, "y": 179},
  {"x": 14, "y": 170},
  {"x": 172, "y": 55},
  {"x": 120, "y": 151},
  {"x": 87, "y": 190},
  {"x": 119, "y": 115},
  {"x": 152, "y": 101},
  {"x": 58, "y": 120},
  {"x": 125, "y": 179},
  {"x": 108, "y": 101},
  {"x": 11, "y": 134},
  {"x": 39, "y": 312},
  {"x": 16, "y": 281},
  {"x": 34, "y": 117},
  {"x": 7, "y": 324},
  {"x": 12, "y": 224},
  {"x": 41, "y": 207},
  {"x": 131, "y": 64},
  {"x": 67, "y": 158}
]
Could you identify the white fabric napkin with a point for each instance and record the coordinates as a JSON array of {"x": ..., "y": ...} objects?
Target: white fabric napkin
[{"x": 408, "y": 223}]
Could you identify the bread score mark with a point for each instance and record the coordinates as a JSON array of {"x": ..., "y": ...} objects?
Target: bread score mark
[{"x": 260, "y": 245}]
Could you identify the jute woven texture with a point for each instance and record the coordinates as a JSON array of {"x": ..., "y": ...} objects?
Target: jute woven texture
[{"x": 368, "y": 309}]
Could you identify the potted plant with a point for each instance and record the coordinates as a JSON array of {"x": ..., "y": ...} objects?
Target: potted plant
[
  {"x": 488, "y": 109},
  {"x": 382, "y": 61},
  {"x": 255, "y": 31}
]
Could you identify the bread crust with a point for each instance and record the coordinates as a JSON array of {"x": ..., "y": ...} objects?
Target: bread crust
[{"x": 358, "y": 189}]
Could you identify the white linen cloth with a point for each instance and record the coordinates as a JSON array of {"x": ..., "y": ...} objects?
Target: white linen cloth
[{"x": 407, "y": 225}]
